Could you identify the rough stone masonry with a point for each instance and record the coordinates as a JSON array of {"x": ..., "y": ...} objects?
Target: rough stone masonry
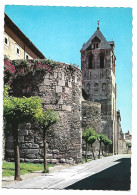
[{"x": 60, "y": 90}]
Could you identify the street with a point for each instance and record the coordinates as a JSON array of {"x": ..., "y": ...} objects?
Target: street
[{"x": 108, "y": 173}]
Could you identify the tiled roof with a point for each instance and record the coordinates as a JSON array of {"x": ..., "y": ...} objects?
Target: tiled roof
[{"x": 104, "y": 44}]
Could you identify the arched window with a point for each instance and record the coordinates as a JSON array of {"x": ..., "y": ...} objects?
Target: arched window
[
  {"x": 96, "y": 87},
  {"x": 101, "y": 61},
  {"x": 90, "y": 61}
]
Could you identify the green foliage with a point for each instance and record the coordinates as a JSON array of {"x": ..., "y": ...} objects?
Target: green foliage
[
  {"x": 102, "y": 138},
  {"x": 129, "y": 145},
  {"x": 45, "y": 170},
  {"x": 21, "y": 109},
  {"x": 8, "y": 168},
  {"x": 92, "y": 139},
  {"x": 73, "y": 67},
  {"x": 83, "y": 160},
  {"x": 89, "y": 132},
  {"x": 46, "y": 118}
]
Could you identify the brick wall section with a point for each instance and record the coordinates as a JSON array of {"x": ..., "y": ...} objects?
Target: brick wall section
[{"x": 60, "y": 90}]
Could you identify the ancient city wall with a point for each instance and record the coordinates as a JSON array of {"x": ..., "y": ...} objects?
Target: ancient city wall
[
  {"x": 60, "y": 90},
  {"x": 122, "y": 149},
  {"x": 91, "y": 117}
]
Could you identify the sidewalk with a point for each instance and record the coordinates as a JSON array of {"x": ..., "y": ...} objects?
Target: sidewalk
[{"x": 60, "y": 179}]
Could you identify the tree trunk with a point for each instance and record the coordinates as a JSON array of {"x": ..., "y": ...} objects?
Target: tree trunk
[
  {"x": 102, "y": 151},
  {"x": 93, "y": 153},
  {"x": 86, "y": 152},
  {"x": 99, "y": 149},
  {"x": 16, "y": 152},
  {"x": 45, "y": 151}
]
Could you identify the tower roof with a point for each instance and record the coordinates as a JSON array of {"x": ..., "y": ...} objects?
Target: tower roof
[{"x": 103, "y": 45}]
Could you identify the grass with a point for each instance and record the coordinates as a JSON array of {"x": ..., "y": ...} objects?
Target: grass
[
  {"x": 83, "y": 160},
  {"x": 8, "y": 168}
]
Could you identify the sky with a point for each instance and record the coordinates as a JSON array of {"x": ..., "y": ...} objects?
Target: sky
[{"x": 59, "y": 33}]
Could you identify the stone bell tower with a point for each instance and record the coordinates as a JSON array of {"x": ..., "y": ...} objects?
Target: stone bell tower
[{"x": 98, "y": 71}]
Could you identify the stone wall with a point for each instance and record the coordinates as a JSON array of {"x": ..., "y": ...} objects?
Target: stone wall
[
  {"x": 122, "y": 149},
  {"x": 60, "y": 90},
  {"x": 91, "y": 117}
]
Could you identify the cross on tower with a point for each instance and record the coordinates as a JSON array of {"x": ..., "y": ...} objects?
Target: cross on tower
[{"x": 98, "y": 23}]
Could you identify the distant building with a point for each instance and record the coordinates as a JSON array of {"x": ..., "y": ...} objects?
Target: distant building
[
  {"x": 17, "y": 45},
  {"x": 128, "y": 137}
]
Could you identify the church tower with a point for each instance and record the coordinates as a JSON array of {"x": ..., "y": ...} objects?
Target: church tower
[{"x": 98, "y": 72}]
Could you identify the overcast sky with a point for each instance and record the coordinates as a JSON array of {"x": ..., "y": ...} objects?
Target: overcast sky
[{"x": 59, "y": 33}]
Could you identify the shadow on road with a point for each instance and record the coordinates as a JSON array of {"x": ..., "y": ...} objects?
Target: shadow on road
[{"x": 116, "y": 177}]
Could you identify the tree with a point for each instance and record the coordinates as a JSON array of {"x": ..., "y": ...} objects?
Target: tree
[
  {"x": 91, "y": 141},
  {"x": 45, "y": 119},
  {"x": 86, "y": 135},
  {"x": 106, "y": 142},
  {"x": 16, "y": 111},
  {"x": 103, "y": 139}
]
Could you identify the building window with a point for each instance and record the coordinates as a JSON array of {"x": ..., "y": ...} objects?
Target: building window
[
  {"x": 26, "y": 56},
  {"x": 90, "y": 61},
  {"x": 17, "y": 50},
  {"x": 6, "y": 40},
  {"x": 101, "y": 61}
]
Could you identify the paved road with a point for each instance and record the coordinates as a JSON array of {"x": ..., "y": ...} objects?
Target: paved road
[{"x": 109, "y": 173}]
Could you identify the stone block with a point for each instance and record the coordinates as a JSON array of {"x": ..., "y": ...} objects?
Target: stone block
[
  {"x": 29, "y": 151},
  {"x": 46, "y": 82},
  {"x": 23, "y": 132},
  {"x": 35, "y": 146},
  {"x": 49, "y": 155},
  {"x": 55, "y": 75},
  {"x": 22, "y": 126},
  {"x": 26, "y": 145},
  {"x": 9, "y": 139},
  {"x": 9, "y": 145},
  {"x": 30, "y": 156},
  {"x": 61, "y": 83},
  {"x": 62, "y": 160},
  {"x": 10, "y": 150},
  {"x": 67, "y": 90},
  {"x": 58, "y": 89},
  {"x": 69, "y": 84},
  {"x": 55, "y": 151},
  {"x": 21, "y": 138},
  {"x": 66, "y": 108},
  {"x": 28, "y": 138},
  {"x": 54, "y": 161}
]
